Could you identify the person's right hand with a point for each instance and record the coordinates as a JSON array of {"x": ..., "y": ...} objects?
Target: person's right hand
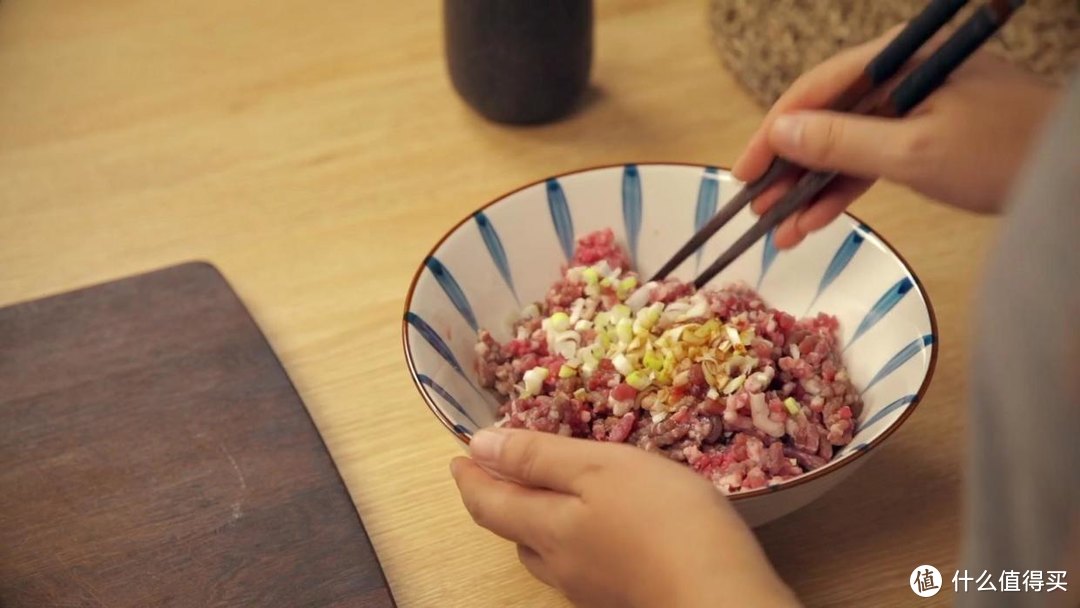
[{"x": 963, "y": 146}]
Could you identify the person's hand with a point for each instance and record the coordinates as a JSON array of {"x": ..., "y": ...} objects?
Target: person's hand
[
  {"x": 964, "y": 145},
  {"x": 613, "y": 525}
]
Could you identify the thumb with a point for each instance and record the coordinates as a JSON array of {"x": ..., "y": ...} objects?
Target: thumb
[
  {"x": 861, "y": 146},
  {"x": 538, "y": 459}
]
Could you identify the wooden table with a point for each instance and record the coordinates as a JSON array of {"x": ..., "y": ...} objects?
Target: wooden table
[{"x": 313, "y": 151}]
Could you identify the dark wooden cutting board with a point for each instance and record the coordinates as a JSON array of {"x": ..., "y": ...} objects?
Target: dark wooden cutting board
[{"x": 153, "y": 452}]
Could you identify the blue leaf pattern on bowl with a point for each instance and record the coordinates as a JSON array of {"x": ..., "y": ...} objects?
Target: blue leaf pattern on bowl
[
  {"x": 882, "y": 307},
  {"x": 495, "y": 249},
  {"x": 631, "y": 208},
  {"x": 888, "y": 409},
  {"x": 432, "y": 337},
  {"x": 453, "y": 291},
  {"x": 442, "y": 392},
  {"x": 560, "y": 217},
  {"x": 708, "y": 193},
  {"x": 839, "y": 262},
  {"x": 916, "y": 346},
  {"x": 768, "y": 255}
]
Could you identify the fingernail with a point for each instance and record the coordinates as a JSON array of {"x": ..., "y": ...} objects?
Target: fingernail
[
  {"x": 787, "y": 131},
  {"x": 486, "y": 445},
  {"x": 454, "y": 466}
]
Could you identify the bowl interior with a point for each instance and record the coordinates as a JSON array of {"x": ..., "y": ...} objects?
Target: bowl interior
[{"x": 508, "y": 253}]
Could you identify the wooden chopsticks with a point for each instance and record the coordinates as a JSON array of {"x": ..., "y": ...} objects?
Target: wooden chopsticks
[{"x": 911, "y": 91}]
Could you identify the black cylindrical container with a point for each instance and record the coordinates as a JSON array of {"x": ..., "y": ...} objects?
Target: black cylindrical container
[{"x": 519, "y": 61}]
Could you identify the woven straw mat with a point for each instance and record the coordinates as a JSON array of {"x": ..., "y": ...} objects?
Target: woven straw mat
[{"x": 766, "y": 44}]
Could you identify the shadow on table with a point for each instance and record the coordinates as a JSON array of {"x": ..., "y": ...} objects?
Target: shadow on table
[
  {"x": 602, "y": 125},
  {"x": 593, "y": 95},
  {"x": 897, "y": 508}
]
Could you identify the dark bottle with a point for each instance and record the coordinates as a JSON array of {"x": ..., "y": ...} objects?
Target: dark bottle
[{"x": 519, "y": 61}]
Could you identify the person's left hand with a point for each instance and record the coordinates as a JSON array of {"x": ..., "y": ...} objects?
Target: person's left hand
[{"x": 613, "y": 525}]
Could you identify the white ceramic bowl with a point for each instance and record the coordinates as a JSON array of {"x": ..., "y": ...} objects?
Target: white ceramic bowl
[{"x": 509, "y": 252}]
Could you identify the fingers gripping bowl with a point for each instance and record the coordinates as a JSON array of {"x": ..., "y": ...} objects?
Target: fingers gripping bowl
[{"x": 489, "y": 281}]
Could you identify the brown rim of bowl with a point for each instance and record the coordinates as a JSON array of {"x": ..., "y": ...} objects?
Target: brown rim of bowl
[{"x": 773, "y": 489}]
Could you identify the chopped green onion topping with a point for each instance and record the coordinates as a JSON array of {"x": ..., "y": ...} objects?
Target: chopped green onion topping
[
  {"x": 602, "y": 320},
  {"x": 560, "y": 321},
  {"x": 734, "y": 384},
  {"x": 588, "y": 367},
  {"x": 638, "y": 380},
  {"x": 747, "y": 336},
  {"x": 733, "y": 335},
  {"x": 653, "y": 362},
  {"x": 533, "y": 379},
  {"x": 791, "y": 405},
  {"x": 624, "y": 331}
]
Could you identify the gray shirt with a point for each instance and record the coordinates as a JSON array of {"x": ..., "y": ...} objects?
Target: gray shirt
[{"x": 1023, "y": 494}]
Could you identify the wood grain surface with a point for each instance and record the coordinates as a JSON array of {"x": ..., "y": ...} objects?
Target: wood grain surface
[
  {"x": 313, "y": 150},
  {"x": 156, "y": 454}
]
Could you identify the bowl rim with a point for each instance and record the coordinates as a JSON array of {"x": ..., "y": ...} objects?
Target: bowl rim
[{"x": 740, "y": 496}]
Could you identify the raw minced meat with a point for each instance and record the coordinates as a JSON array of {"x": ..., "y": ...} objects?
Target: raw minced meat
[{"x": 744, "y": 394}]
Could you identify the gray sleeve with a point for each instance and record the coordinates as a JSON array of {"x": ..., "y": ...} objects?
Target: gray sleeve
[{"x": 1023, "y": 482}]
